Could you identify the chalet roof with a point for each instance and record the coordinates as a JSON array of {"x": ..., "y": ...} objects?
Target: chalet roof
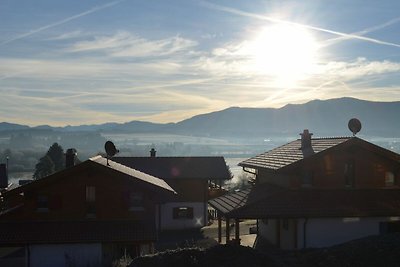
[
  {"x": 300, "y": 203},
  {"x": 76, "y": 232},
  {"x": 132, "y": 172},
  {"x": 179, "y": 167},
  {"x": 97, "y": 161},
  {"x": 291, "y": 153}
]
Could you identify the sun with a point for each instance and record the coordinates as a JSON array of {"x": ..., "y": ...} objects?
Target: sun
[{"x": 286, "y": 52}]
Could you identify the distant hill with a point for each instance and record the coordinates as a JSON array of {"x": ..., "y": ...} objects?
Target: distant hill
[
  {"x": 5, "y": 126},
  {"x": 322, "y": 117}
]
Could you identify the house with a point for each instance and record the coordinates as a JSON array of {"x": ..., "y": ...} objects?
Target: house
[
  {"x": 318, "y": 192},
  {"x": 193, "y": 178},
  {"x": 86, "y": 215}
]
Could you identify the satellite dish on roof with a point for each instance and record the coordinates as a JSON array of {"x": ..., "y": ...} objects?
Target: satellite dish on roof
[
  {"x": 111, "y": 150},
  {"x": 354, "y": 126}
]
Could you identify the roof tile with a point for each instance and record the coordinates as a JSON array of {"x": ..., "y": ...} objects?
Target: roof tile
[
  {"x": 290, "y": 153},
  {"x": 179, "y": 167}
]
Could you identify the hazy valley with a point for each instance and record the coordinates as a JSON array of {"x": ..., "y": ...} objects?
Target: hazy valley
[{"x": 235, "y": 133}]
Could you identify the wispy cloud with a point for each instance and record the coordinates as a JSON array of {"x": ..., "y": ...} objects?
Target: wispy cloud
[
  {"x": 51, "y": 25},
  {"x": 276, "y": 20},
  {"x": 360, "y": 68},
  {"x": 67, "y": 36},
  {"x": 125, "y": 44}
]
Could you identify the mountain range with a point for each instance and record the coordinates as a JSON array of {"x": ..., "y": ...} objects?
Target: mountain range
[{"x": 322, "y": 117}]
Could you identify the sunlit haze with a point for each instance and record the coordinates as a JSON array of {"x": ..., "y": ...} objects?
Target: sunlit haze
[
  {"x": 88, "y": 62},
  {"x": 287, "y": 53}
]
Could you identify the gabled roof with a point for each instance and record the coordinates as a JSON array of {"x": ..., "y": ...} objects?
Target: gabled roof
[
  {"x": 179, "y": 167},
  {"x": 19, "y": 233},
  {"x": 301, "y": 203},
  {"x": 97, "y": 162},
  {"x": 291, "y": 153},
  {"x": 132, "y": 172}
]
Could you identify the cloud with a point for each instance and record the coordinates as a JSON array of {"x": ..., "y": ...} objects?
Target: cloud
[
  {"x": 125, "y": 44},
  {"x": 170, "y": 84},
  {"x": 60, "y": 22},
  {"x": 275, "y": 20},
  {"x": 91, "y": 106},
  {"x": 360, "y": 68},
  {"x": 90, "y": 69},
  {"x": 67, "y": 36}
]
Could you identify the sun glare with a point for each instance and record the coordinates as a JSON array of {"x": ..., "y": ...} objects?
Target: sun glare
[{"x": 286, "y": 52}]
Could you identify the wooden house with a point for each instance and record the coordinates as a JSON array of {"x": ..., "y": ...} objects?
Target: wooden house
[
  {"x": 317, "y": 192},
  {"x": 191, "y": 178},
  {"x": 86, "y": 215}
]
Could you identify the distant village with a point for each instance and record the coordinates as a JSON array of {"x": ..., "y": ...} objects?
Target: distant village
[{"x": 311, "y": 192}]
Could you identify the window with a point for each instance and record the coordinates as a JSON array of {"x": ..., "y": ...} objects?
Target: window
[
  {"x": 136, "y": 201},
  {"x": 349, "y": 174},
  {"x": 183, "y": 213},
  {"x": 43, "y": 203},
  {"x": 307, "y": 178},
  {"x": 90, "y": 194},
  {"x": 90, "y": 202},
  {"x": 389, "y": 179},
  {"x": 328, "y": 164}
]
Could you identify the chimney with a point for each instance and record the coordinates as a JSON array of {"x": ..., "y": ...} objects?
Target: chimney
[
  {"x": 3, "y": 176},
  {"x": 306, "y": 139},
  {"x": 153, "y": 153},
  {"x": 70, "y": 157}
]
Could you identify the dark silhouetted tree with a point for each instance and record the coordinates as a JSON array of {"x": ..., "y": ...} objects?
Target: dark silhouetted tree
[
  {"x": 50, "y": 163},
  {"x": 44, "y": 168},
  {"x": 56, "y": 154}
]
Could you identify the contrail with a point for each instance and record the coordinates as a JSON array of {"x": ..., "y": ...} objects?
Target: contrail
[
  {"x": 333, "y": 41},
  {"x": 92, "y": 10},
  {"x": 275, "y": 20}
]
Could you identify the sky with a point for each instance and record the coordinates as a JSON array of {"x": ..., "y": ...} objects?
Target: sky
[{"x": 88, "y": 62}]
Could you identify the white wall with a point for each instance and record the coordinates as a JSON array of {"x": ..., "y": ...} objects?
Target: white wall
[
  {"x": 49, "y": 255},
  {"x": 332, "y": 231},
  {"x": 169, "y": 223},
  {"x": 321, "y": 232}
]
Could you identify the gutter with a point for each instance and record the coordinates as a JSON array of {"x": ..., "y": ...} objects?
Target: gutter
[{"x": 246, "y": 170}]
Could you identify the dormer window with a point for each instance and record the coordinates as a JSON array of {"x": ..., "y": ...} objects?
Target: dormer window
[
  {"x": 389, "y": 179},
  {"x": 349, "y": 174},
  {"x": 90, "y": 202}
]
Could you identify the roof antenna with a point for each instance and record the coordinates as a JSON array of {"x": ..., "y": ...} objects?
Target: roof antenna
[
  {"x": 111, "y": 150},
  {"x": 354, "y": 126}
]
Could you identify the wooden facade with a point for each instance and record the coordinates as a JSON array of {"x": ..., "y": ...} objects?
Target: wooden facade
[
  {"x": 67, "y": 198},
  {"x": 100, "y": 205},
  {"x": 195, "y": 180},
  {"x": 319, "y": 192}
]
